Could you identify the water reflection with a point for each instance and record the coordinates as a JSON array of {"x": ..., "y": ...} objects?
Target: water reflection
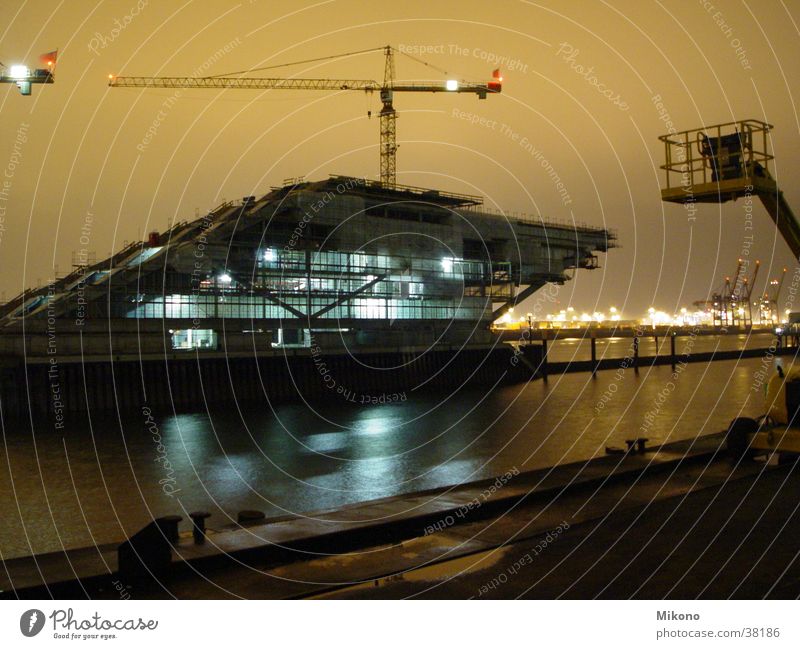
[{"x": 98, "y": 483}]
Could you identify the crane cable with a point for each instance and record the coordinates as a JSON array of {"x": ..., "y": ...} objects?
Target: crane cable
[
  {"x": 284, "y": 65},
  {"x": 329, "y": 58},
  {"x": 425, "y": 63}
]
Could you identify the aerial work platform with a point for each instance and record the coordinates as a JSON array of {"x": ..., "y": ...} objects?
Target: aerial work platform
[{"x": 716, "y": 164}]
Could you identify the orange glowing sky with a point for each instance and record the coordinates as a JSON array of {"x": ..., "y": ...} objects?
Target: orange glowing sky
[{"x": 79, "y": 148}]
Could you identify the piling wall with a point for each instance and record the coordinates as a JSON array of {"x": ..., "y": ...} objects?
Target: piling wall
[{"x": 193, "y": 382}]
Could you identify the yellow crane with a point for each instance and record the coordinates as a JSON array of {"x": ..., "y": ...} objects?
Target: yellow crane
[
  {"x": 24, "y": 77},
  {"x": 388, "y": 115},
  {"x": 716, "y": 164}
]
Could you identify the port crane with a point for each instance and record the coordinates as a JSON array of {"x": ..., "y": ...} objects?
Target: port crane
[
  {"x": 730, "y": 305},
  {"x": 388, "y": 115},
  {"x": 768, "y": 306},
  {"x": 742, "y": 294}
]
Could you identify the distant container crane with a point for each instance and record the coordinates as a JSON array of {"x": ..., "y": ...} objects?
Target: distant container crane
[
  {"x": 388, "y": 115},
  {"x": 731, "y": 305},
  {"x": 768, "y": 310}
]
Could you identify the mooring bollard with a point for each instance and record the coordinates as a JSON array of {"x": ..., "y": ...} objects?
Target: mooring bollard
[
  {"x": 637, "y": 445},
  {"x": 169, "y": 525},
  {"x": 199, "y": 527}
]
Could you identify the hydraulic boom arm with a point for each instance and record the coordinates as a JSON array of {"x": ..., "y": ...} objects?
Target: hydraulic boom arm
[{"x": 784, "y": 219}]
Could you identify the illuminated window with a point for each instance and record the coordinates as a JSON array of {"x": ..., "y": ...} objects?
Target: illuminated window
[{"x": 194, "y": 339}]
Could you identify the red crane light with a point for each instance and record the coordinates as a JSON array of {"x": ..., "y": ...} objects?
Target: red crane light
[{"x": 496, "y": 84}]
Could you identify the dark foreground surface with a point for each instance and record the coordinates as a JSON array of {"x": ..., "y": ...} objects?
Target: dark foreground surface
[
  {"x": 681, "y": 521},
  {"x": 740, "y": 540}
]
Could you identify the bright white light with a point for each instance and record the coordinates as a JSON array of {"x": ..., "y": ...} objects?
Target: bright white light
[
  {"x": 225, "y": 278},
  {"x": 19, "y": 72},
  {"x": 451, "y": 84},
  {"x": 447, "y": 265},
  {"x": 270, "y": 254}
]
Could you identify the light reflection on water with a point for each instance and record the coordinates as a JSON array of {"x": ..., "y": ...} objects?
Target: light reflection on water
[{"x": 297, "y": 460}]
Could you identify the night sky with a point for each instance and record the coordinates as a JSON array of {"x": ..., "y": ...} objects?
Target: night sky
[{"x": 81, "y": 170}]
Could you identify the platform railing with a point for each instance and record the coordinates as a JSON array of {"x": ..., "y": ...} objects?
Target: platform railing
[{"x": 719, "y": 152}]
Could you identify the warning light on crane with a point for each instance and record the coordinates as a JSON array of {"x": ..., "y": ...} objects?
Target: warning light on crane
[{"x": 496, "y": 84}]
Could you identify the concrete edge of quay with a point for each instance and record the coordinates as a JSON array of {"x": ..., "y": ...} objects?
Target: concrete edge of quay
[{"x": 81, "y": 572}]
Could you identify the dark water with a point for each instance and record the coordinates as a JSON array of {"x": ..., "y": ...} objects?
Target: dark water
[{"x": 104, "y": 479}]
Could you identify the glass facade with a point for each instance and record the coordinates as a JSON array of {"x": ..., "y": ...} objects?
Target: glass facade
[
  {"x": 194, "y": 339},
  {"x": 289, "y": 284}
]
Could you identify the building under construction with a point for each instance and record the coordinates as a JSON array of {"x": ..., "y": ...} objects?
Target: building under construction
[{"x": 314, "y": 286}]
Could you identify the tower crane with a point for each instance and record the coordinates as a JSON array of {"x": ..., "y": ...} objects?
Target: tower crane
[
  {"x": 388, "y": 115},
  {"x": 24, "y": 77}
]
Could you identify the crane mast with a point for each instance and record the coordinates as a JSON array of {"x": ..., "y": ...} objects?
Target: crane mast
[
  {"x": 388, "y": 115},
  {"x": 388, "y": 123}
]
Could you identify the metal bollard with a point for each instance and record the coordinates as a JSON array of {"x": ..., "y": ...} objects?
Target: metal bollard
[
  {"x": 169, "y": 526},
  {"x": 199, "y": 528}
]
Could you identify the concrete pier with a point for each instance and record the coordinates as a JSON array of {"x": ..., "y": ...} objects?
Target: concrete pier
[{"x": 407, "y": 534}]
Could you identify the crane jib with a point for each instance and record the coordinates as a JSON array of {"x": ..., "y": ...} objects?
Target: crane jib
[
  {"x": 292, "y": 84},
  {"x": 388, "y": 134}
]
